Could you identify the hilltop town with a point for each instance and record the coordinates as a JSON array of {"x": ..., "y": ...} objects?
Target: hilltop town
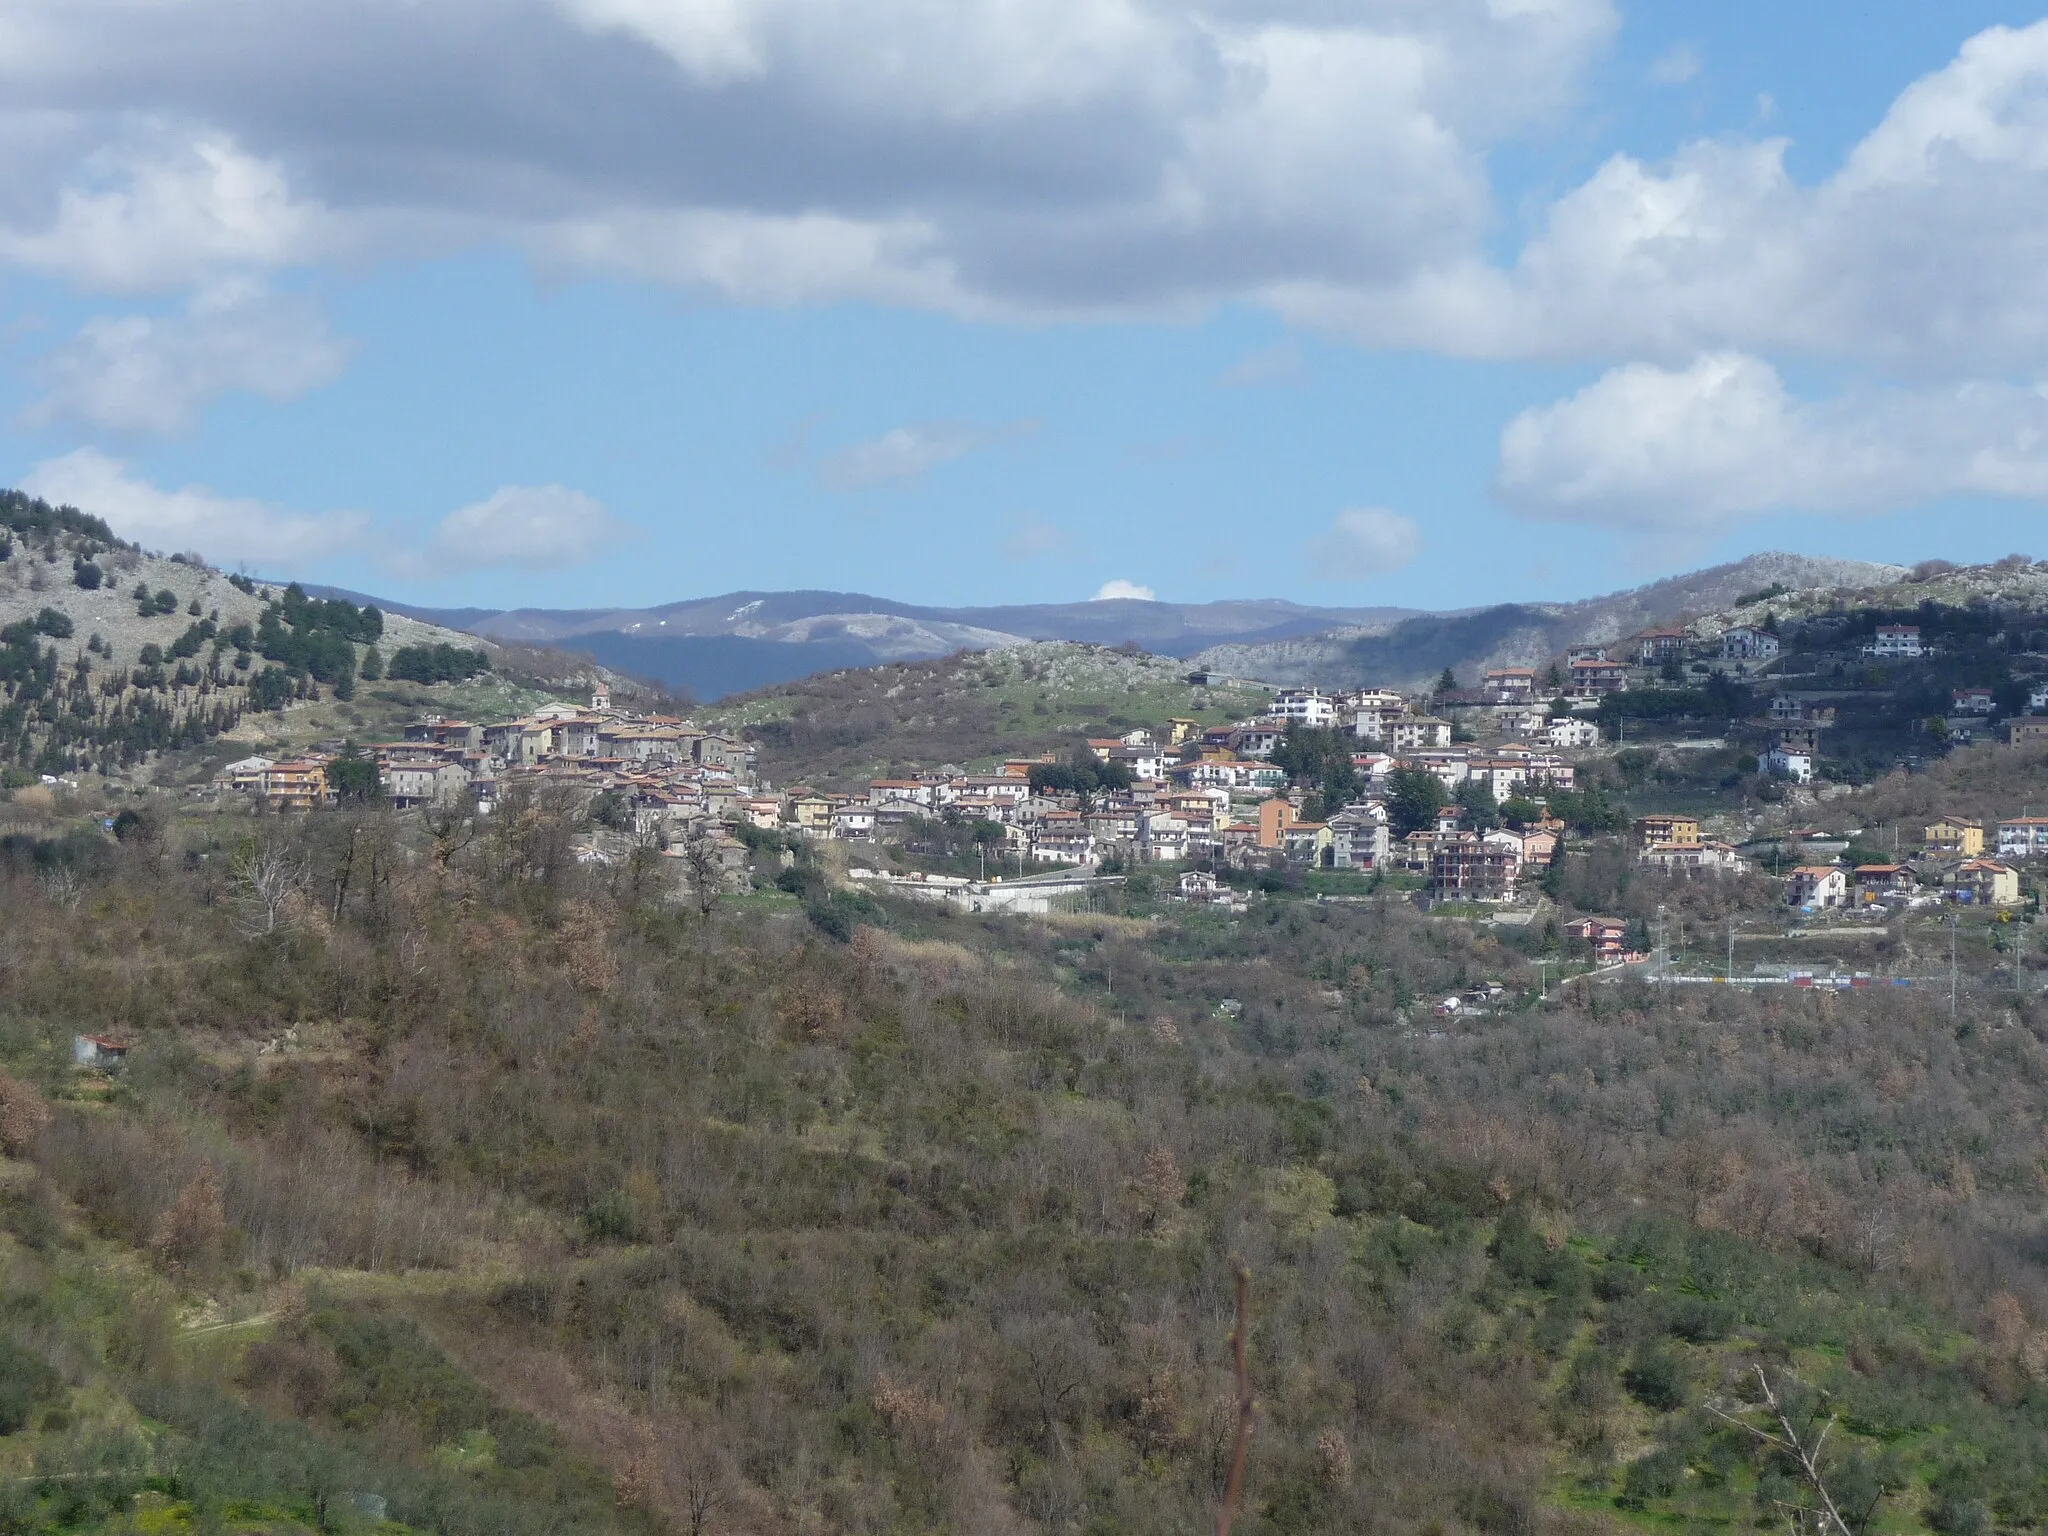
[{"x": 1466, "y": 795}]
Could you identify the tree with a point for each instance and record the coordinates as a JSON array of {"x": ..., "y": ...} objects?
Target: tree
[
  {"x": 1414, "y": 796},
  {"x": 1475, "y": 798},
  {"x": 86, "y": 574},
  {"x": 267, "y": 886},
  {"x": 372, "y": 669},
  {"x": 1083, "y": 774},
  {"x": 353, "y": 777},
  {"x": 1447, "y": 683},
  {"x": 703, "y": 872}
]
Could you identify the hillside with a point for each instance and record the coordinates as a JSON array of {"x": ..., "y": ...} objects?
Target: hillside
[
  {"x": 141, "y": 668},
  {"x": 843, "y": 728},
  {"x": 1412, "y": 652},
  {"x": 480, "y": 1190}
]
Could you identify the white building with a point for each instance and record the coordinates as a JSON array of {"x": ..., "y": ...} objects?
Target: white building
[
  {"x": 2023, "y": 837},
  {"x": 1307, "y": 706},
  {"x": 1570, "y": 735},
  {"x": 1257, "y": 739},
  {"x": 1746, "y": 642},
  {"x": 1373, "y": 711},
  {"x": 1819, "y": 886},
  {"x": 1419, "y": 732},
  {"x": 1896, "y": 640},
  {"x": 1359, "y": 837},
  {"x": 1788, "y": 763}
]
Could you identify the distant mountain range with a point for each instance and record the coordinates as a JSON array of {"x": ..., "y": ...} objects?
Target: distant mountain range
[{"x": 740, "y": 641}]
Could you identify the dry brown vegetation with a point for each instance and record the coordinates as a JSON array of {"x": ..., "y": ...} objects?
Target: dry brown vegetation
[{"x": 729, "y": 1226}]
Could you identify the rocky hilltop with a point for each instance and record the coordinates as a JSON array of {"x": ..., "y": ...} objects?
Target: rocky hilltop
[{"x": 1410, "y": 652}]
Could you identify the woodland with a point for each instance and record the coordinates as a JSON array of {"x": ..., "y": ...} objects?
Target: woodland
[{"x": 452, "y": 1183}]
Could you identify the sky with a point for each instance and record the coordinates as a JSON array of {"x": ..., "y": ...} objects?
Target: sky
[{"x": 592, "y": 303}]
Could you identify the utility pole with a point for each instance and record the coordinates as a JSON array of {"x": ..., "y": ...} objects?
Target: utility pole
[{"x": 1731, "y": 949}]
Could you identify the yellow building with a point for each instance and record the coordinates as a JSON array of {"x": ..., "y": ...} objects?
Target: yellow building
[
  {"x": 296, "y": 786},
  {"x": 1668, "y": 831},
  {"x": 1963, "y": 838}
]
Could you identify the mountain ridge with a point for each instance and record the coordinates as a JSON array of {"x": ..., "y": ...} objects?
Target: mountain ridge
[{"x": 736, "y": 642}]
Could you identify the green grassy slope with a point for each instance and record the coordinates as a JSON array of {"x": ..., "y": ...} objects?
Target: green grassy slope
[{"x": 845, "y": 727}]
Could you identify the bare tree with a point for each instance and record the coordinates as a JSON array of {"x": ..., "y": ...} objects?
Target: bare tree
[
  {"x": 62, "y": 885},
  {"x": 1804, "y": 1451},
  {"x": 268, "y": 889},
  {"x": 1247, "y": 1405},
  {"x": 453, "y": 827},
  {"x": 701, "y": 868}
]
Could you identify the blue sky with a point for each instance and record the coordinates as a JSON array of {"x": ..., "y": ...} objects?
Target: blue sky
[{"x": 612, "y": 302}]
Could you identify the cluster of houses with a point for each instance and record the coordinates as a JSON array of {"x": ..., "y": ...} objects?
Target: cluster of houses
[
  {"x": 672, "y": 778},
  {"x": 1193, "y": 793},
  {"x": 1212, "y": 795},
  {"x": 1958, "y": 863}
]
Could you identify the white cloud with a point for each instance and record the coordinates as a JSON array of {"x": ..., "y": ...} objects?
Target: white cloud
[
  {"x": 1121, "y": 590},
  {"x": 902, "y": 453},
  {"x": 148, "y": 374},
  {"x": 1281, "y": 363},
  {"x": 165, "y": 208},
  {"x": 1675, "y": 65},
  {"x": 1034, "y": 540},
  {"x": 1067, "y": 157},
  {"x": 1920, "y": 256},
  {"x": 1363, "y": 542},
  {"x": 1696, "y": 448},
  {"x": 909, "y": 453},
  {"x": 225, "y": 528},
  {"x": 712, "y": 39},
  {"x": 539, "y": 527},
  {"x": 536, "y": 527}
]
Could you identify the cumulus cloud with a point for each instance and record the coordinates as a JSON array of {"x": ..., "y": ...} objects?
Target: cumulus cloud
[
  {"x": 151, "y": 374},
  {"x": 226, "y": 528},
  {"x": 162, "y": 208},
  {"x": 1066, "y": 157},
  {"x": 1920, "y": 256},
  {"x": 535, "y": 527},
  {"x": 1696, "y": 448},
  {"x": 1073, "y": 157},
  {"x": 1363, "y": 542},
  {"x": 1113, "y": 591}
]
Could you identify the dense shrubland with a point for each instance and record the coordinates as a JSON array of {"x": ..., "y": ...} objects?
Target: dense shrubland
[{"x": 551, "y": 1204}]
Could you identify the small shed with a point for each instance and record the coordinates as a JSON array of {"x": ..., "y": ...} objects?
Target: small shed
[{"x": 100, "y": 1051}]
